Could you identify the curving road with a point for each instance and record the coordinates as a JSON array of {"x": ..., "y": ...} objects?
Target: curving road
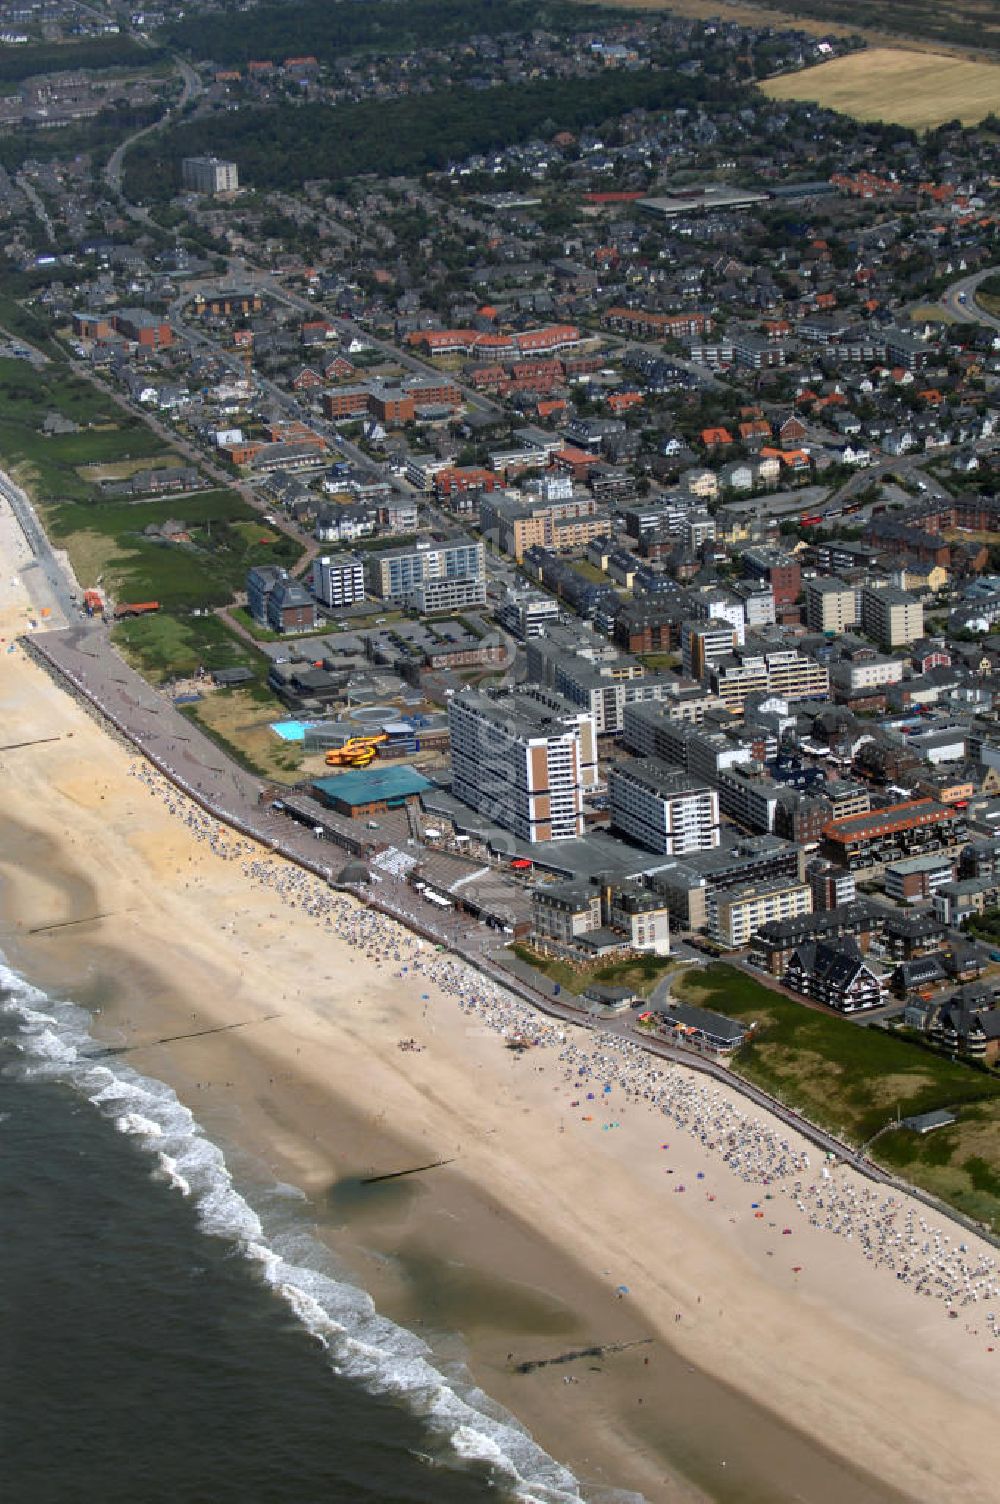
[{"x": 969, "y": 311}]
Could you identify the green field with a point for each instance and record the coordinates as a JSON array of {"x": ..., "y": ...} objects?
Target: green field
[
  {"x": 855, "y": 1080},
  {"x": 106, "y": 542},
  {"x": 640, "y": 972},
  {"x": 165, "y": 647},
  {"x": 46, "y": 463}
]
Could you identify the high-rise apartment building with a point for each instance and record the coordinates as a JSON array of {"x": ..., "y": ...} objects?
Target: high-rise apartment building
[
  {"x": 662, "y": 808},
  {"x": 524, "y": 760},
  {"x": 831, "y": 606},
  {"x": 210, "y": 175}
]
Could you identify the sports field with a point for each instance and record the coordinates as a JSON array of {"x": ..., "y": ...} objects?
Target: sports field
[{"x": 917, "y": 89}]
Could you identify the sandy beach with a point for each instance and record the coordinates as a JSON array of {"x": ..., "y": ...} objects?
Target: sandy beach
[{"x": 779, "y": 1354}]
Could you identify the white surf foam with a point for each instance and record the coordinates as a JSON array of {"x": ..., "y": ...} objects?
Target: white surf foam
[{"x": 55, "y": 1043}]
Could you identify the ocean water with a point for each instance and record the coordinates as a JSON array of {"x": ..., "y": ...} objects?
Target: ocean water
[{"x": 168, "y": 1335}]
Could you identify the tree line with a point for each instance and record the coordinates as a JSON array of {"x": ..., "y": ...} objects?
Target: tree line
[
  {"x": 286, "y": 145},
  {"x": 317, "y": 28}
]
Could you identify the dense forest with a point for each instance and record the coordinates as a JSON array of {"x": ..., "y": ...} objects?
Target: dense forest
[
  {"x": 326, "y": 29},
  {"x": 17, "y": 63},
  {"x": 286, "y": 145}
]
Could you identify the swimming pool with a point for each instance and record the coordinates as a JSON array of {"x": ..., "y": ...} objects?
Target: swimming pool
[{"x": 291, "y": 731}]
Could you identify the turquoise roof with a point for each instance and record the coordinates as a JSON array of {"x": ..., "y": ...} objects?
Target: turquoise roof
[{"x": 369, "y": 785}]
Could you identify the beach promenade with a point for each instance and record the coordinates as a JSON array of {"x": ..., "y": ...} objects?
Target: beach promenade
[{"x": 635, "y": 1198}]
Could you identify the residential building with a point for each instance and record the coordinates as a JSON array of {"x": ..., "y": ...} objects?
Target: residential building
[
  {"x": 704, "y": 643},
  {"x": 835, "y": 973},
  {"x": 735, "y": 914},
  {"x": 524, "y": 761},
  {"x": 784, "y": 672},
  {"x": 338, "y": 580},
  {"x": 918, "y": 877},
  {"x": 662, "y": 808},
  {"x": 277, "y": 601},
  {"x": 209, "y": 175},
  {"x": 448, "y": 574},
  {"x": 891, "y": 617},
  {"x": 916, "y": 827},
  {"x": 831, "y": 886},
  {"x": 780, "y": 570},
  {"x": 831, "y": 606}
]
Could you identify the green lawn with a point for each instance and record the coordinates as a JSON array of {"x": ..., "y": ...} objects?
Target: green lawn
[
  {"x": 166, "y": 647},
  {"x": 640, "y": 972},
  {"x": 854, "y": 1080},
  {"x": 106, "y": 540}
]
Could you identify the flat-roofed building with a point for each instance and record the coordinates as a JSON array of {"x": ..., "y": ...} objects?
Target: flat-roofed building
[
  {"x": 662, "y": 808},
  {"x": 736, "y": 914},
  {"x": 831, "y": 606},
  {"x": 524, "y": 760},
  {"x": 917, "y": 877},
  {"x": 891, "y": 617},
  {"x": 338, "y": 580},
  {"x": 210, "y": 175}
]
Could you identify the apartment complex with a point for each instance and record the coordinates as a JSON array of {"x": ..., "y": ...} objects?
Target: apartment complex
[
  {"x": 891, "y": 617},
  {"x": 736, "y": 914},
  {"x": 338, "y": 580},
  {"x": 569, "y": 912},
  {"x": 446, "y": 575},
  {"x": 706, "y": 643},
  {"x": 831, "y": 606},
  {"x": 209, "y": 175},
  {"x": 559, "y": 523},
  {"x": 784, "y": 672},
  {"x": 917, "y": 827},
  {"x": 662, "y": 808},
  {"x": 523, "y": 760}
]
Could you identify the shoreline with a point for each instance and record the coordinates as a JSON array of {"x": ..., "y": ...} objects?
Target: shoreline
[{"x": 591, "y": 1199}]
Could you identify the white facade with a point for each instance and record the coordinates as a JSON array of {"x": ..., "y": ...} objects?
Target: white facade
[
  {"x": 736, "y": 914},
  {"x": 662, "y": 809},
  {"x": 523, "y": 761},
  {"x": 338, "y": 580}
]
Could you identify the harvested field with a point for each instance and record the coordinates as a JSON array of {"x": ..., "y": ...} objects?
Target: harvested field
[{"x": 916, "y": 89}]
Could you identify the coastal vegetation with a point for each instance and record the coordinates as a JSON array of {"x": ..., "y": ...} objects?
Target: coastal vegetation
[
  {"x": 855, "y": 1081},
  {"x": 639, "y": 972}
]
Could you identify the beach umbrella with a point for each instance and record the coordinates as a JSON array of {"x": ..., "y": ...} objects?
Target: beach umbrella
[
  {"x": 786, "y": 1232},
  {"x": 701, "y": 1174},
  {"x": 623, "y": 1289}
]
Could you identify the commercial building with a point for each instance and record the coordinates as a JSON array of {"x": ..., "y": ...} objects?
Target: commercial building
[
  {"x": 831, "y": 606},
  {"x": 736, "y": 914},
  {"x": 446, "y": 575},
  {"x": 209, "y": 175},
  {"x": 891, "y": 617},
  {"x": 524, "y": 761},
  {"x": 917, "y": 827},
  {"x": 662, "y": 808},
  {"x": 371, "y": 791},
  {"x": 338, "y": 580}
]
